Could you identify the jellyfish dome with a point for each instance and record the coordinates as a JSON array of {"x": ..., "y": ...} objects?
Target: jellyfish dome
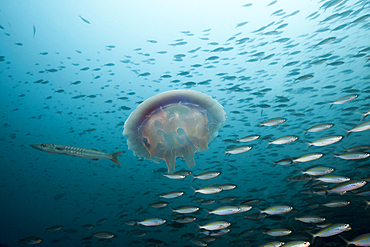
[{"x": 174, "y": 124}]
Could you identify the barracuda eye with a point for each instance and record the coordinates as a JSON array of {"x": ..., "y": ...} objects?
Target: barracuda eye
[{"x": 43, "y": 145}]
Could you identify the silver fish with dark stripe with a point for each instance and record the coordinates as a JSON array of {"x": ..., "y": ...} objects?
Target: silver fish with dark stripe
[{"x": 93, "y": 154}]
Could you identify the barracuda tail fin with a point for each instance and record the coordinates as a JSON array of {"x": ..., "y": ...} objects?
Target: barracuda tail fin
[{"x": 115, "y": 156}]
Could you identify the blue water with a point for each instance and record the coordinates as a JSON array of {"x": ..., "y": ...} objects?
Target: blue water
[{"x": 72, "y": 72}]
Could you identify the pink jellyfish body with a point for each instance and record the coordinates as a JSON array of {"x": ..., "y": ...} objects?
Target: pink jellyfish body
[{"x": 174, "y": 124}]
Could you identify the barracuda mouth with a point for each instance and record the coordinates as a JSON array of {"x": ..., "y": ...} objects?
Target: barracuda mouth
[{"x": 36, "y": 146}]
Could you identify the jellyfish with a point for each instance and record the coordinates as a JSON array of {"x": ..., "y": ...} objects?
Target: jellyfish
[{"x": 173, "y": 124}]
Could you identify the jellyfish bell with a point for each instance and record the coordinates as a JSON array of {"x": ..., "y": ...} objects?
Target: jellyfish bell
[{"x": 174, "y": 124}]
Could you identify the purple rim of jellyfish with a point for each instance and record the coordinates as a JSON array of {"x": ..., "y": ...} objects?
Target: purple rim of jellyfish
[{"x": 174, "y": 124}]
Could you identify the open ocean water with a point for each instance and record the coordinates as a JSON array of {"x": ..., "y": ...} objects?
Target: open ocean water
[{"x": 72, "y": 72}]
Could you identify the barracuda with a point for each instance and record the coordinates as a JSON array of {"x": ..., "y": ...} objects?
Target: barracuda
[{"x": 93, "y": 154}]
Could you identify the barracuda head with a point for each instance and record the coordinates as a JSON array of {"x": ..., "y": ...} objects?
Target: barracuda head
[{"x": 43, "y": 147}]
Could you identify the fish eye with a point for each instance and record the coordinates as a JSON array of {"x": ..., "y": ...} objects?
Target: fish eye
[{"x": 43, "y": 145}]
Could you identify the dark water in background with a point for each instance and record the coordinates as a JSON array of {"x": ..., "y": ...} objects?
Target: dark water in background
[{"x": 46, "y": 48}]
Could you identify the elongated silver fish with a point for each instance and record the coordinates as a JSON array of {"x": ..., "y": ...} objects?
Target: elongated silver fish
[
  {"x": 362, "y": 240},
  {"x": 311, "y": 219},
  {"x": 318, "y": 171},
  {"x": 347, "y": 186},
  {"x": 248, "y": 138},
  {"x": 336, "y": 204},
  {"x": 344, "y": 99},
  {"x": 278, "y": 209},
  {"x": 238, "y": 150},
  {"x": 278, "y": 232},
  {"x": 353, "y": 156},
  {"x": 308, "y": 157},
  {"x": 225, "y": 210},
  {"x": 104, "y": 235},
  {"x": 361, "y": 127},
  {"x": 333, "y": 229},
  {"x": 273, "y": 122},
  {"x": 215, "y": 225},
  {"x": 152, "y": 222},
  {"x": 319, "y": 127},
  {"x": 283, "y": 140},
  {"x": 93, "y": 154},
  {"x": 325, "y": 141}
]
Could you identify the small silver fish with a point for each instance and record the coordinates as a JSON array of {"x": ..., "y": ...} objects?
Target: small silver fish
[
  {"x": 215, "y": 225},
  {"x": 333, "y": 179},
  {"x": 361, "y": 127},
  {"x": 310, "y": 219},
  {"x": 347, "y": 186},
  {"x": 325, "y": 141},
  {"x": 283, "y": 140},
  {"x": 278, "y": 232},
  {"x": 185, "y": 210},
  {"x": 336, "y": 204},
  {"x": 353, "y": 156},
  {"x": 208, "y": 190},
  {"x": 278, "y": 209},
  {"x": 174, "y": 176},
  {"x": 248, "y": 138},
  {"x": 362, "y": 240},
  {"x": 104, "y": 235},
  {"x": 332, "y": 230},
  {"x": 173, "y": 194},
  {"x": 344, "y": 99},
  {"x": 238, "y": 150},
  {"x": 207, "y": 175},
  {"x": 273, "y": 122},
  {"x": 225, "y": 210},
  {"x": 318, "y": 171},
  {"x": 319, "y": 127},
  {"x": 308, "y": 157},
  {"x": 152, "y": 222}
]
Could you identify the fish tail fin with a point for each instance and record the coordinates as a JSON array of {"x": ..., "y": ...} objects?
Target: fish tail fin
[
  {"x": 362, "y": 114},
  {"x": 115, "y": 156},
  {"x": 334, "y": 156},
  {"x": 308, "y": 144},
  {"x": 327, "y": 193},
  {"x": 367, "y": 204},
  {"x": 347, "y": 132},
  {"x": 259, "y": 210},
  {"x": 313, "y": 236},
  {"x": 195, "y": 191},
  {"x": 345, "y": 240},
  {"x": 268, "y": 144},
  {"x": 299, "y": 170},
  {"x": 208, "y": 212},
  {"x": 194, "y": 177},
  {"x": 197, "y": 226},
  {"x": 172, "y": 210}
]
